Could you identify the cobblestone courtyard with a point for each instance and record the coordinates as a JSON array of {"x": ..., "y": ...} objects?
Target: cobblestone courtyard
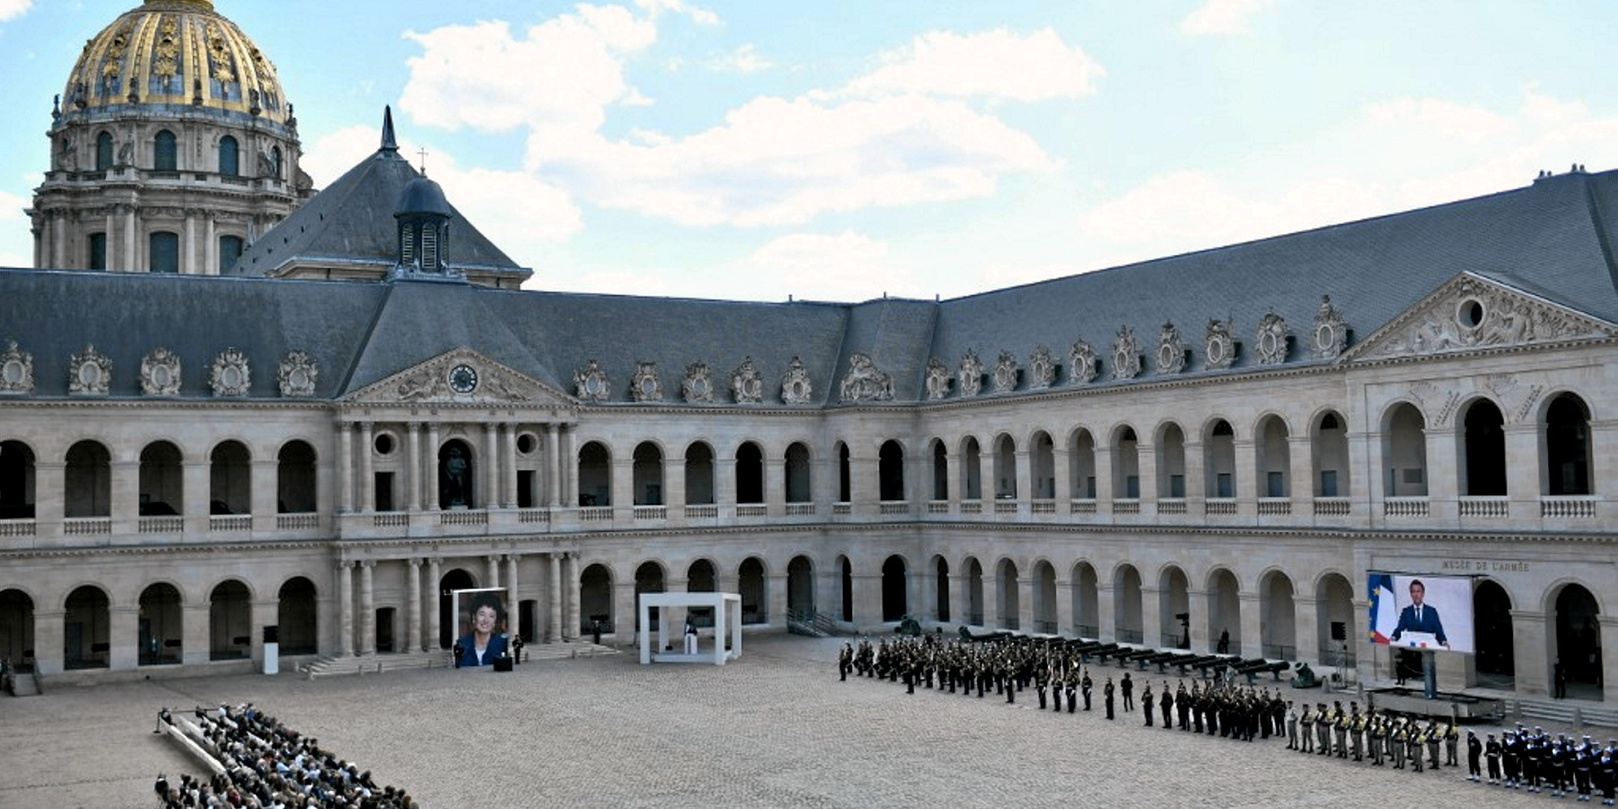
[{"x": 775, "y": 728}]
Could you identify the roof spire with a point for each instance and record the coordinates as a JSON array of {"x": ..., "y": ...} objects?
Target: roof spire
[{"x": 389, "y": 143}]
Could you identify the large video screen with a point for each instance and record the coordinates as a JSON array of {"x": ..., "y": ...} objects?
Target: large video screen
[
  {"x": 480, "y": 626},
  {"x": 1421, "y": 612}
]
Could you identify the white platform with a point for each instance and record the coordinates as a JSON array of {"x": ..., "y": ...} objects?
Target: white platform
[{"x": 727, "y": 609}]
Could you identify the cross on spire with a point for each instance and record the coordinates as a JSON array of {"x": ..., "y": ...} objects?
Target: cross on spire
[{"x": 423, "y": 152}]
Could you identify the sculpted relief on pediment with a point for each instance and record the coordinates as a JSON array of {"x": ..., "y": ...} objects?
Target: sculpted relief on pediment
[
  {"x": 1471, "y": 313},
  {"x": 459, "y": 377}
]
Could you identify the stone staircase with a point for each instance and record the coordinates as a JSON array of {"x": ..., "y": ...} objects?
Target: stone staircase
[
  {"x": 376, "y": 664},
  {"x": 24, "y": 684},
  {"x": 811, "y": 623}
]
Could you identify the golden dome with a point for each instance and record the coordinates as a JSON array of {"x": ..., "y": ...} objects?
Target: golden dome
[{"x": 175, "y": 52}]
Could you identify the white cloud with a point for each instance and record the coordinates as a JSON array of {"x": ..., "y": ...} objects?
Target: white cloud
[
  {"x": 1438, "y": 117},
  {"x": 994, "y": 64},
  {"x": 776, "y": 161},
  {"x": 745, "y": 59},
  {"x": 14, "y": 8},
  {"x": 771, "y": 161},
  {"x": 16, "y": 242},
  {"x": 698, "y": 15},
  {"x": 846, "y": 266},
  {"x": 1216, "y": 17},
  {"x": 1427, "y": 151},
  {"x": 562, "y": 73}
]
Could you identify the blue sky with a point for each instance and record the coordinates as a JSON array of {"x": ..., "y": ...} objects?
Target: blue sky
[{"x": 845, "y": 150}]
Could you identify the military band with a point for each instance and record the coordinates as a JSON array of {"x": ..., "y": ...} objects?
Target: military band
[{"x": 1521, "y": 759}]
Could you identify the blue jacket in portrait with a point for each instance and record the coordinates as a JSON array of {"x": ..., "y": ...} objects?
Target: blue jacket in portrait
[{"x": 469, "y": 652}]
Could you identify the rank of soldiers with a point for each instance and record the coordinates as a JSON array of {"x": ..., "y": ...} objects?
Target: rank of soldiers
[{"x": 1522, "y": 759}]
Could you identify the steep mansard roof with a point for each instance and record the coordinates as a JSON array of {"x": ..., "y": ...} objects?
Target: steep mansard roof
[
  {"x": 351, "y": 223},
  {"x": 1552, "y": 240}
]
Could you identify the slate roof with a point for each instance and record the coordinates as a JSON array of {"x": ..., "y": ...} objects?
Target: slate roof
[
  {"x": 351, "y": 222},
  {"x": 1551, "y": 239}
]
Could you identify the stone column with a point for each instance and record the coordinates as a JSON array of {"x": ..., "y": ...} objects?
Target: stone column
[
  {"x": 493, "y": 569},
  {"x": 345, "y": 609},
  {"x": 1442, "y": 478},
  {"x": 195, "y": 494},
  {"x": 123, "y": 636},
  {"x": 49, "y": 640},
  {"x": 367, "y": 608},
  {"x": 1306, "y": 628},
  {"x": 1300, "y": 473},
  {"x": 264, "y": 493},
  {"x": 568, "y": 468},
  {"x": 1061, "y": 477},
  {"x": 188, "y": 256},
  {"x": 1252, "y": 640},
  {"x": 195, "y": 634},
  {"x": 433, "y": 618},
  {"x": 1025, "y": 601},
  {"x": 1609, "y": 657},
  {"x": 1531, "y": 631},
  {"x": 345, "y": 466},
  {"x": 490, "y": 472},
  {"x": 1106, "y": 611},
  {"x": 413, "y": 467},
  {"x": 1151, "y": 616},
  {"x": 429, "y": 469},
  {"x": 553, "y": 632},
  {"x": 1104, "y": 479},
  {"x": 553, "y": 468},
  {"x": 1246, "y": 471},
  {"x": 1522, "y": 472},
  {"x": 1146, "y": 464},
  {"x": 125, "y": 497},
  {"x": 1196, "y": 483},
  {"x": 1198, "y": 601},
  {"x": 1024, "y": 461},
  {"x": 513, "y": 600},
  {"x": 508, "y": 498},
  {"x": 570, "y": 595},
  {"x": 367, "y": 481},
  {"x": 412, "y": 634},
  {"x": 50, "y": 497}
]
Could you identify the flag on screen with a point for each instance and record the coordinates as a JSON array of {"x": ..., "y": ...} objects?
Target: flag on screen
[{"x": 1384, "y": 614}]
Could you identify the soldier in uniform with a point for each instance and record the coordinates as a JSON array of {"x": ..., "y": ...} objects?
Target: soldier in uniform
[
  {"x": 1452, "y": 740},
  {"x": 1531, "y": 753},
  {"x": 1086, "y": 686},
  {"x": 1146, "y": 703},
  {"x": 1168, "y": 707},
  {"x": 1413, "y": 739},
  {"x": 1072, "y": 686},
  {"x": 1182, "y": 707},
  {"x": 1323, "y": 723},
  {"x": 1605, "y": 774},
  {"x": 1339, "y": 729},
  {"x": 1432, "y": 737},
  {"x": 1491, "y": 756},
  {"x": 1373, "y": 736},
  {"x": 1106, "y": 697},
  {"x": 1356, "y": 731},
  {"x": 1474, "y": 757},
  {"x": 1292, "y": 726},
  {"x": 1582, "y": 766},
  {"x": 1511, "y": 760},
  {"x": 1306, "y": 724},
  {"x": 1127, "y": 686},
  {"x": 845, "y": 661},
  {"x": 1041, "y": 681},
  {"x": 1396, "y": 742}
]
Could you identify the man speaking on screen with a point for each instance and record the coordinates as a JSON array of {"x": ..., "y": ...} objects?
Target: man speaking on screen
[{"x": 1420, "y": 617}]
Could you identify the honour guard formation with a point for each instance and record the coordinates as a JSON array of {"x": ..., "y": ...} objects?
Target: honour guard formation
[{"x": 1005, "y": 665}]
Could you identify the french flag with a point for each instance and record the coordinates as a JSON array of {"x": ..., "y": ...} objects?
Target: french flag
[{"x": 1384, "y": 614}]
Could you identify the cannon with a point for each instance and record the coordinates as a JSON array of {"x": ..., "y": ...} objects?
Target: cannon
[
  {"x": 1253, "y": 668},
  {"x": 908, "y": 626},
  {"x": 1305, "y": 678},
  {"x": 967, "y": 636}
]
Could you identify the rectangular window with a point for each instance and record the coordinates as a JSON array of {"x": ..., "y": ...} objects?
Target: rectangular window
[
  {"x": 165, "y": 252},
  {"x": 1224, "y": 485},
  {"x": 1090, "y": 487},
  {"x": 525, "y": 488},
  {"x": 230, "y": 249},
  {"x": 1176, "y": 485},
  {"x": 1132, "y": 486},
  {"x": 1274, "y": 485},
  {"x": 384, "y": 491},
  {"x": 1413, "y": 476},
  {"x": 98, "y": 251},
  {"x": 1328, "y": 483}
]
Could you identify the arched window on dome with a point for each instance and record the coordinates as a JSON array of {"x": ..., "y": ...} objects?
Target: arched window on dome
[
  {"x": 165, "y": 152},
  {"x": 229, "y": 157},
  {"x": 164, "y": 252},
  {"x": 104, "y": 151}
]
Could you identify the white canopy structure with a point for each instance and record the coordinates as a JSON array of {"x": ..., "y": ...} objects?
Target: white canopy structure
[{"x": 727, "y": 609}]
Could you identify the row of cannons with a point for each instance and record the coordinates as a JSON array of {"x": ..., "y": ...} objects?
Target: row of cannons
[{"x": 1210, "y": 666}]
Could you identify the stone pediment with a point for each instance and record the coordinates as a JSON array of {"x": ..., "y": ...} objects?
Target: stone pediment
[
  {"x": 461, "y": 377},
  {"x": 1472, "y": 313}
]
